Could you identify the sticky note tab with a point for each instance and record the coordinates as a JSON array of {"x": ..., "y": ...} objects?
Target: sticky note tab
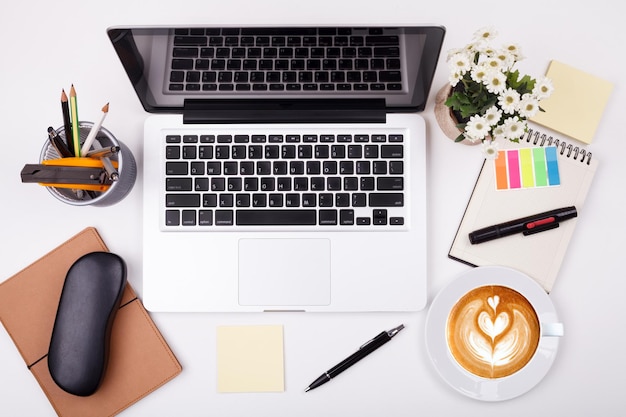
[
  {"x": 539, "y": 158},
  {"x": 514, "y": 174},
  {"x": 250, "y": 359},
  {"x": 527, "y": 168},
  {"x": 553, "y": 167},
  {"x": 526, "y": 165},
  {"x": 502, "y": 178}
]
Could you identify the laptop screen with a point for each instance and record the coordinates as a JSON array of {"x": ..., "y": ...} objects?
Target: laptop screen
[{"x": 171, "y": 67}]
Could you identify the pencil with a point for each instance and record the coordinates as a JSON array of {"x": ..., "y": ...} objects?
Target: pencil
[
  {"x": 67, "y": 124},
  {"x": 75, "y": 126},
  {"x": 94, "y": 131}
]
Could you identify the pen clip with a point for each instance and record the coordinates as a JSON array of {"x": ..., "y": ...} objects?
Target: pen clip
[
  {"x": 390, "y": 333},
  {"x": 540, "y": 228}
]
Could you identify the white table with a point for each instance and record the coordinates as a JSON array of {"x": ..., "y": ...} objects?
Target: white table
[{"x": 48, "y": 46}]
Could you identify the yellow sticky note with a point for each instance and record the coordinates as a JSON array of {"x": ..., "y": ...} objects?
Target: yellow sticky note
[
  {"x": 577, "y": 103},
  {"x": 250, "y": 359}
]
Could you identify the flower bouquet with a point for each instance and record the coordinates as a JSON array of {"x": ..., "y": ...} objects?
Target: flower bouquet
[{"x": 488, "y": 97}]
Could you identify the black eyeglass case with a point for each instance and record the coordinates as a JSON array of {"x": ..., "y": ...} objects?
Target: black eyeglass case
[{"x": 79, "y": 346}]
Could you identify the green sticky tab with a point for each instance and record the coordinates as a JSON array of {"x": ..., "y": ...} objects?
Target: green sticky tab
[{"x": 541, "y": 172}]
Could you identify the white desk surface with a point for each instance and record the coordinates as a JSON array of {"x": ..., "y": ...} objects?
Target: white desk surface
[{"x": 48, "y": 46}]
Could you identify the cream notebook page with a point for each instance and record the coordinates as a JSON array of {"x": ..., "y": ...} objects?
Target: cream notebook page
[{"x": 539, "y": 255}]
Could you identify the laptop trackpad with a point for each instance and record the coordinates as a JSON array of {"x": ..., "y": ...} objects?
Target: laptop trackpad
[{"x": 284, "y": 272}]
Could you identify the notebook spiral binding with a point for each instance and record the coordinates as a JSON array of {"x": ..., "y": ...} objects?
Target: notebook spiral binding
[{"x": 542, "y": 139}]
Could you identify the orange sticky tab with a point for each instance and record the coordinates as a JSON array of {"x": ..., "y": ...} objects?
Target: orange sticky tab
[{"x": 502, "y": 182}]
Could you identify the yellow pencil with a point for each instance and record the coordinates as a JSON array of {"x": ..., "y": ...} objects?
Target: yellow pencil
[{"x": 75, "y": 126}]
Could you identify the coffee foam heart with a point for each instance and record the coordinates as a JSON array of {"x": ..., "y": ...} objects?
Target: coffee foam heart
[{"x": 493, "y": 331}]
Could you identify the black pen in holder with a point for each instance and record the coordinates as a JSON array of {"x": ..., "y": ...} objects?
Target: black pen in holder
[{"x": 121, "y": 178}]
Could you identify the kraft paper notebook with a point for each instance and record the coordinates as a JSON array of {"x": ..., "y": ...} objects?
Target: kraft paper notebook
[
  {"x": 140, "y": 360},
  {"x": 538, "y": 255},
  {"x": 575, "y": 107}
]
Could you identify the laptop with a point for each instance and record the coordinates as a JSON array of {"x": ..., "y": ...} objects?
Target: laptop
[{"x": 284, "y": 168}]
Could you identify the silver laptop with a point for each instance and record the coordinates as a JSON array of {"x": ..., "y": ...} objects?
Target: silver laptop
[{"x": 284, "y": 168}]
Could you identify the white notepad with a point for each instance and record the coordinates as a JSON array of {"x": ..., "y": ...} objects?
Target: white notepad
[{"x": 539, "y": 255}]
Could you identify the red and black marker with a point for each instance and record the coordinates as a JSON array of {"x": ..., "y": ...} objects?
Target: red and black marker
[{"x": 527, "y": 225}]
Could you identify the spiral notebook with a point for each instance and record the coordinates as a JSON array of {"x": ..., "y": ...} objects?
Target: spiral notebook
[{"x": 539, "y": 255}]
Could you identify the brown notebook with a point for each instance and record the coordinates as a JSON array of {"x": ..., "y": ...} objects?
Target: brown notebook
[{"x": 140, "y": 361}]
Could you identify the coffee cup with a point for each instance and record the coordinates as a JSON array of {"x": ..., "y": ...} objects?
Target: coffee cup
[{"x": 494, "y": 331}]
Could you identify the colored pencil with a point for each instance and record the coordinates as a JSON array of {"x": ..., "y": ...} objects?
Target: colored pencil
[
  {"x": 94, "y": 131},
  {"x": 75, "y": 125},
  {"x": 67, "y": 124}
]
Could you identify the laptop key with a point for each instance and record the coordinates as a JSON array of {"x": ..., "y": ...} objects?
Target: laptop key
[
  {"x": 178, "y": 184},
  {"x": 386, "y": 200},
  {"x": 172, "y": 218},
  {"x": 390, "y": 183},
  {"x": 275, "y": 217},
  {"x": 328, "y": 217},
  {"x": 223, "y": 217},
  {"x": 182, "y": 200}
]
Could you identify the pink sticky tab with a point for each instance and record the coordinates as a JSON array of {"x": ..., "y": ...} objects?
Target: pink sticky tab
[{"x": 514, "y": 174}]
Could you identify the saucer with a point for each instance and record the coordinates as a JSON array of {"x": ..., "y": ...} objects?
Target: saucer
[{"x": 485, "y": 389}]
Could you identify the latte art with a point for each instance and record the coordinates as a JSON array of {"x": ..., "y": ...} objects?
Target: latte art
[{"x": 493, "y": 331}]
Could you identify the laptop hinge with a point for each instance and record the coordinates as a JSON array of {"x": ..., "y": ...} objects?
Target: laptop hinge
[{"x": 285, "y": 111}]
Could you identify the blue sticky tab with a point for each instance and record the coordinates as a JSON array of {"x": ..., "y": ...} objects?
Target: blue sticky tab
[{"x": 552, "y": 164}]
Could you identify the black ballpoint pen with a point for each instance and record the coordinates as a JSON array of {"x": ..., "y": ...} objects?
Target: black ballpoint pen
[
  {"x": 526, "y": 225},
  {"x": 363, "y": 351},
  {"x": 58, "y": 143}
]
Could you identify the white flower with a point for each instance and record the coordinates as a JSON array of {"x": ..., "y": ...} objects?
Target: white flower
[
  {"x": 528, "y": 106},
  {"x": 490, "y": 62},
  {"x": 498, "y": 132},
  {"x": 543, "y": 88},
  {"x": 493, "y": 115},
  {"x": 495, "y": 82},
  {"x": 515, "y": 50},
  {"x": 509, "y": 101},
  {"x": 514, "y": 128},
  {"x": 505, "y": 58},
  {"x": 454, "y": 78},
  {"x": 479, "y": 73},
  {"x": 452, "y": 52},
  {"x": 485, "y": 34},
  {"x": 460, "y": 63},
  {"x": 471, "y": 49},
  {"x": 477, "y": 127},
  {"x": 490, "y": 149}
]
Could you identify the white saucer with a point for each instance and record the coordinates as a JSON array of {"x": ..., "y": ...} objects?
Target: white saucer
[{"x": 485, "y": 389}]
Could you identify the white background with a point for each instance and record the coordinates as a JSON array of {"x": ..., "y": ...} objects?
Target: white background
[{"x": 46, "y": 46}]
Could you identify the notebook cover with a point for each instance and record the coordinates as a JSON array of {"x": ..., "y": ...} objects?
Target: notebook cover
[
  {"x": 140, "y": 360},
  {"x": 577, "y": 103},
  {"x": 540, "y": 255}
]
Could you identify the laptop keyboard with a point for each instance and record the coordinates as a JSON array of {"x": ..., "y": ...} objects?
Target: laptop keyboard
[
  {"x": 281, "y": 60},
  {"x": 335, "y": 180}
]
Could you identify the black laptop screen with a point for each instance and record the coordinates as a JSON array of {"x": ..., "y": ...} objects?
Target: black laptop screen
[{"x": 170, "y": 67}]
